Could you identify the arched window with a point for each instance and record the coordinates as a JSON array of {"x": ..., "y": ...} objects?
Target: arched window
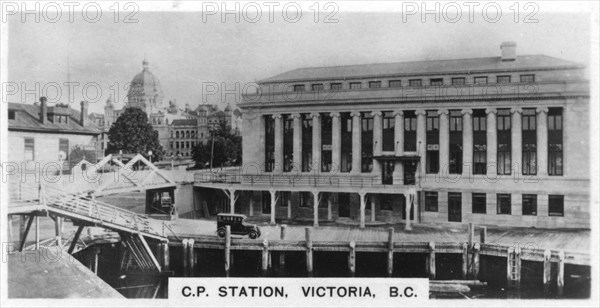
[
  {"x": 187, "y": 134},
  {"x": 177, "y": 134}
]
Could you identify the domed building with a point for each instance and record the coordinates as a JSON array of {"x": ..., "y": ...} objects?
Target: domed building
[
  {"x": 179, "y": 130},
  {"x": 145, "y": 91}
]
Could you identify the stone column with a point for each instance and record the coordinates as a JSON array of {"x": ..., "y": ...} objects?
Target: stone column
[
  {"x": 356, "y": 142},
  {"x": 363, "y": 205},
  {"x": 273, "y": 205},
  {"x": 297, "y": 151},
  {"x": 399, "y": 145},
  {"x": 421, "y": 145},
  {"x": 316, "y": 142},
  {"x": 492, "y": 143},
  {"x": 516, "y": 142},
  {"x": 377, "y": 140},
  {"x": 467, "y": 168},
  {"x": 278, "y": 168},
  {"x": 542, "y": 141},
  {"x": 315, "y": 194},
  {"x": 336, "y": 142},
  {"x": 444, "y": 143},
  {"x": 372, "y": 208}
]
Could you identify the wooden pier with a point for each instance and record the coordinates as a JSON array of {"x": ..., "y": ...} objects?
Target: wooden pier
[{"x": 471, "y": 251}]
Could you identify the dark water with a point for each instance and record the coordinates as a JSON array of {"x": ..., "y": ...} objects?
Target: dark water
[{"x": 335, "y": 264}]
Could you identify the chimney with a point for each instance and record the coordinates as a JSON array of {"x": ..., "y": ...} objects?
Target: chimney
[
  {"x": 43, "y": 110},
  {"x": 84, "y": 113},
  {"x": 509, "y": 51}
]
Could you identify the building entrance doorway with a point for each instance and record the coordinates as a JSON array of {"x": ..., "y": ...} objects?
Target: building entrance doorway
[
  {"x": 344, "y": 205},
  {"x": 387, "y": 172},
  {"x": 454, "y": 207}
]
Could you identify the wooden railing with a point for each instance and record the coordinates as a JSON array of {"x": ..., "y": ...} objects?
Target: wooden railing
[
  {"x": 83, "y": 207},
  {"x": 292, "y": 179}
]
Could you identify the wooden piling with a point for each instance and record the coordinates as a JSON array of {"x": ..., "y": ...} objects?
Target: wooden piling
[
  {"x": 547, "y": 271},
  {"x": 282, "y": 253},
  {"x": 471, "y": 232},
  {"x": 483, "y": 235},
  {"x": 37, "y": 232},
  {"x": 431, "y": 261},
  {"x": 309, "y": 251},
  {"x": 265, "y": 256},
  {"x": 352, "y": 259},
  {"x": 57, "y": 228},
  {"x": 165, "y": 258},
  {"x": 509, "y": 260},
  {"x": 185, "y": 258},
  {"x": 560, "y": 278},
  {"x": 390, "y": 256},
  {"x": 518, "y": 266},
  {"x": 227, "y": 248},
  {"x": 475, "y": 264},
  {"x": 465, "y": 260},
  {"x": 192, "y": 258}
]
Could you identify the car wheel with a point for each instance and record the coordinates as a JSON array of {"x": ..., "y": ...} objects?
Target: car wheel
[
  {"x": 253, "y": 234},
  {"x": 221, "y": 232}
]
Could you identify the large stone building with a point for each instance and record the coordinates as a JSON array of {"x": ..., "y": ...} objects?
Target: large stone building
[
  {"x": 179, "y": 129},
  {"x": 498, "y": 140}
]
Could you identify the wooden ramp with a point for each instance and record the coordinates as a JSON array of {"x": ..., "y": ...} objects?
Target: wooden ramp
[{"x": 84, "y": 211}]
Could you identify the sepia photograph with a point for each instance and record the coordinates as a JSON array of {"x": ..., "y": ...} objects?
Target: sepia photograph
[{"x": 308, "y": 153}]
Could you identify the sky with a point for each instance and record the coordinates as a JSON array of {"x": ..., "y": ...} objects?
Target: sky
[{"x": 191, "y": 56}]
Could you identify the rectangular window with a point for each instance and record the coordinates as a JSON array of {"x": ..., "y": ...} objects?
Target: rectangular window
[
  {"x": 367, "y": 142},
  {"x": 306, "y": 199},
  {"x": 530, "y": 205},
  {"x": 436, "y": 82},
  {"x": 317, "y": 87},
  {"x": 29, "y": 153},
  {"x": 326, "y": 142},
  {"x": 529, "y": 141},
  {"x": 336, "y": 86},
  {"x": 458, "y": 81},
  {"x": 415, "y": 82},
  {"x": 431, "y": 201},
  {"x": 63, "y": 146},
  {"x": 288, "y": 142},
  {"x": 479, "y": 203},
  {"x": 504, "y": 204},
  {"x": 479, "y": 142},
  {"x": 307, "y": 128},
  {"x": 410, "y": 131},
  {"x": 395, "y": 83},
  {"x": 355, "y": 85},
  {"x": 266, "y": 202},
  {"x": 346, "y": 157},
  {"x": 269, "y": 143},
  {"x": 286, "y": 196},
  {"x": 374, "y": 84},
  {"x": 556, "y": 205},
  {"x": 504, "y": 141},
  {"x": 503, "y": 79},
  {"x": 299, "y": 88},
  {"x": 456, "y": 142},
  {"x": 528, "y": 78},
  {"x": 480, "y": 80},
  {"x": 555, "y": 141},
  {"x": 388, "y": 125},
  {"x": 432, "y": 160},
  {"x": 171, "y": 144},
  {"x": 11, "y": 115},
  {"x": 386, "y": 202}
]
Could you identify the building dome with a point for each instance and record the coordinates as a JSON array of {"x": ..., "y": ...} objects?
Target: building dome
[{"x": 145, "y": 90}]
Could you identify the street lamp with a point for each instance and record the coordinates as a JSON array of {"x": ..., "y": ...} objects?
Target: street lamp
[{"x": 150, "y": 155}]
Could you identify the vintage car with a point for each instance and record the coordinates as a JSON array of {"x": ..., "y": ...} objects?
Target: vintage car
[{"x": 236, "y": 221}]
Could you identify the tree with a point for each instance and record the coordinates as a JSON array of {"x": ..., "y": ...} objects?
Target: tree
[
  {"x": 227, "y": 150},
  {"x": 132, "y": 133}
]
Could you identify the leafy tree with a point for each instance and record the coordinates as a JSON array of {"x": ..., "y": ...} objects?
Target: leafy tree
[
  {"x": 132, "y": 133},
  {"x": 227, "y": 150}
]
